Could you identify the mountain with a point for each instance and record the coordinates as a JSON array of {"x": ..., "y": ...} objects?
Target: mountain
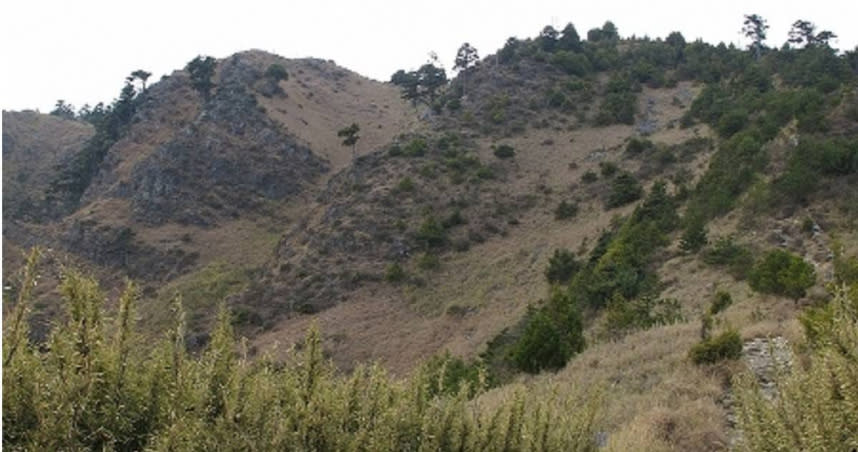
[{"x": 605, "y": 213}]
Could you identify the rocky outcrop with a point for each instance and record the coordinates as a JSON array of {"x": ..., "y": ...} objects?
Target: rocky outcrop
[{"x": 230, "y": 160}]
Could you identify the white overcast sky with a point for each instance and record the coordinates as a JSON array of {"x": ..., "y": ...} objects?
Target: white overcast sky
[{"x": 81, "y": 50}]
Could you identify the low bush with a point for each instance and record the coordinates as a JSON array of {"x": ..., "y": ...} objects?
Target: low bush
[
  {"x": 694, "y": 236},
  {"x": 429, "y": 261},
  {"x": 504, "y": 151},
  {"x": 589, "y": 177},
  {"x": 623, "y": 316},
  {"x": 565, "y": 210},
  {"x": 625, "y": 189},
  {"x": 561, "y": 266},
  {"x": 406, "y": 184},
  {"x": 782, "y": 273},
  {"x": 552, "y": 334},
  {"x": 394, "y": 273},
  {"x": 639, "y": 145},
  {"x": 608, "y": 169},
  {"x": 727, "y": 345},
  {"x": 277, "y": 72},
  {"x": 431, "y": 233},
  {"x": 720, "y": 302}
]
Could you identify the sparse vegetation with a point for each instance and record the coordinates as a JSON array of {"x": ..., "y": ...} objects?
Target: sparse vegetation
[{"x": 726, "y": 252}]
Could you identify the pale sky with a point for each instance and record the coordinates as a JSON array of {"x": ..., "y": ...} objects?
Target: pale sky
[{"x": 82, "y": 50}]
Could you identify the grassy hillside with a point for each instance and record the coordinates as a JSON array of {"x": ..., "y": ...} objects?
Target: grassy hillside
[{"x": 661, "y": 221}]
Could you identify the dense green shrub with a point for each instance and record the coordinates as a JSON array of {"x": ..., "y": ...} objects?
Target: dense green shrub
[
  {"x": 589, "y": 177},
  {"x": 415, "y": 148},
  {"x": 565, "y": 210},
  {"x": 783, "y": 273},
  {"x": 694, "y": 236},
  {"x": 639, "y": 145},
  {"x": 277, "y": 72},
  {"x": 608, "y": 169},
  {"x": 624, "y": 190},
  {"x": 623, "y": 316},
  {"x": 619, "y": 104},
  {"x": 406, "y": 184},
  {"x": 561, "y": 266},
  {"x": 504, "y": 151},
  {"x": 431, "y": 233},
  {"x": 552, "y": 334},
  {"x": 727, "y": 345}
]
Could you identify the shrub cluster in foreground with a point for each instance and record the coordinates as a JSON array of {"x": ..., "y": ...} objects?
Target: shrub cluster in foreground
[
  {"x": 94, "y": 386},
  {"x": 816, "y": 405}
]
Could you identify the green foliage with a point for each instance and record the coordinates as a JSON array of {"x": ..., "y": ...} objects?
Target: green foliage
[
  {"x": 814, "y": 159},
  {"x": 110, "y": 124},
  {"x": 623, "y": 316},
  {"x": 394, "y": 273},
  {"x": 625, "y": 189},
  {"x": 63, "y": 110},
  {"x": 783, "y": 273},
  {"x": 350, "y": 136},
  {"x": 552, "y": 334},
  {"x": 201, "y": 71},
  {"x": 449, "y": 375},
  {"x": 726, "y": 252},
  {"x": 96, "y": 385},
  {"x": 504, "y": 151},
  {"x": 405, "y": 185},
  {"x": 562, "y": 266},
  {"x": 432, "y": 233},
  {"x": 565, "y": 210},
  {"x": 619, "y": 104},
  {"x": 454, "y": 219},
  {"x": 416, "y": 147},
  {"x": 589, "y": 177},
  {"x": 727, "y": 345},
  {"x": 815, "y": 407},
  {"x": 694, "y": 236},
  {"x": 422, "y": 85},
  {"x": 429, "y": 261},
  {"x": 277, "y": 72},
  {"x": 608, "y": 169},
  {"x": 639, "y": 145},
  {"x": 720, "y": 302}
]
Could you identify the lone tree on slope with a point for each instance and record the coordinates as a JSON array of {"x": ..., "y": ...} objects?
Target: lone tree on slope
[
  {"x": 202, "y": 70},
  {"x": 466, "y": 57},
  {"x": 141, "y": 75},
  {"x": 350, "y": 137},
  {"x": 754, "y": 29}
]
